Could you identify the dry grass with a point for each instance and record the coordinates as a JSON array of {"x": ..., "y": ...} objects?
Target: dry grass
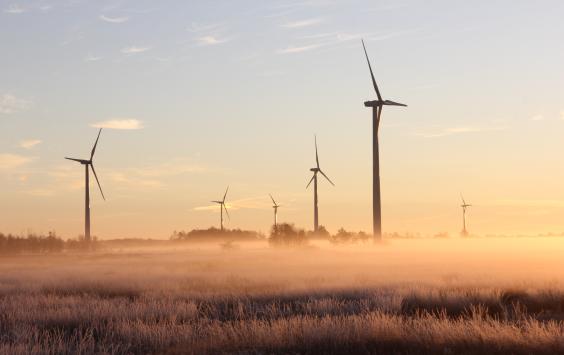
[{"x": 405, "y": 298}]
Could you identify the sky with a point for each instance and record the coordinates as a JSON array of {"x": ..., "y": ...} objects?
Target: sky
[{"x": 195, "y": 96}]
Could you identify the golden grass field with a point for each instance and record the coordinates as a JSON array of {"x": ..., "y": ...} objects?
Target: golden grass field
[{"x": 451, "y": 296}]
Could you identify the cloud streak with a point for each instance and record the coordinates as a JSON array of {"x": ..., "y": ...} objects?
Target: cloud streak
[
  {"x": 10, "y": 104},
  {"x": 13, "y": 161},
  {"x": 115, "y": 20},
  {"x": 255, "y": 203},
  {"x": 303, "y": 23},
  {"x": 119, "y": 123},
  {"x": 92, "y": 58},
  {"x": 14, "y": 9},
  {"x": 134, "y": 50},
  {"x": 299, "y": 49},
  {"x": 210, "y": 40},
  {"x": 29, "y": 143},
  {"x": 459, "y": 130}
]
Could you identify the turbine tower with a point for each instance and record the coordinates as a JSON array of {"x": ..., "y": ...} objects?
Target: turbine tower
[
  {"x": 377, "y": 106},
  {"x": 464, "y": 206},
  {"x": 316, "y": 170},
  {"x": 275, "y": 206},
  {"x": 89, "y": 164},
  {"x": 222, "y": 207}
]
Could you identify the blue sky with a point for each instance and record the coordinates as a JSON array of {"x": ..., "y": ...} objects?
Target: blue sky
[{"x": 199, "y": 95}]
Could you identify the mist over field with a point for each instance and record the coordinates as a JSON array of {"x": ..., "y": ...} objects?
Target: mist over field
[{"x": 403, "y": 296}]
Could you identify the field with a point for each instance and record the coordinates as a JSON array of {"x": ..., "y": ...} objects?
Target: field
[{"x": 451, "y": 296}]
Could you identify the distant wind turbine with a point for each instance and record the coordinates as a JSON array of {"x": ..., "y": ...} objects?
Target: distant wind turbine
[
  {"x": 88, "y": 163},
  {"x": 223, "y": 207},
  {"x": 464, "y": 206},
  {"x": 275, "y": 206},
  {"x": 377, "y": 106},
  {"x": 316, "y": 170}
]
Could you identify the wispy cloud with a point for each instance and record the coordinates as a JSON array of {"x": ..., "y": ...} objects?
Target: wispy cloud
[
  {"x": 29, "y": 143},
  {"x": 114, "y": 19},
  {"x": 171, "y": 168},
  {"x": 15, "y": 9},
  {"x": 208, "y": 34},
  {"x": 459, "y": 130},
  {"x": 131, "y": 180},
  {"x": 528, "y": 203},
  {"x": 255, "y": 203},
  {"x": 537, "y": 118},
  {"x": 10, "y": 104},
  {"x": 303, "y": 23},
  {"x": 336, "y": 39},
  {"x": 40, "y": 192},
  {"x": 299, "y": 49},
  {"x": 154, "y": 176},
  {"x": 134, "y": 50},
  {"x": 199, "y": 28},
  {"x": 119, "y": 123},
  {"x": 92, "y": 58},
  {"x": 562, "y": 115},
  {"x": 210, "y": 40},
  {"x": 12, "y": 161}
]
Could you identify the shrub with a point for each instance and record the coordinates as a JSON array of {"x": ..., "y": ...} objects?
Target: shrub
[
  {"x": 32, "y": 243},
  {"x": 344, "y": 237},
  {"x": 287, "y": 235},
  {"x": 213, "y": 234}
]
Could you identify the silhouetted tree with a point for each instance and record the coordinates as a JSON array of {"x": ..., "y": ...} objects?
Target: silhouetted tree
[
  {"x": 287, "y": 235},
  {"x": 321, "y": 233},
  {"x": 32, "y": 243},
  {"x": 343, "y": 237},
  {"x": 212, "y": 234}
]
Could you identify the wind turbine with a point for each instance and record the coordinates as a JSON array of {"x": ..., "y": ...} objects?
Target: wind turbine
[
  {"x": 316, "y": 170},
  {"x": 88, "y": 163},
  {"x": 222, "y": 207},
  {"x": 275, "y": 206},
  {"x": 377, "y": 106},
  {"x": 464, "y": 206}
]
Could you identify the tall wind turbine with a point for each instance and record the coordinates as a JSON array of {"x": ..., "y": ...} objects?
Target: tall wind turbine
[
  {"x": 275, "y": 206},
  {"x": 316, "y": 170},
  {"x": 88, "y": 163},
  {"x": 377, "y": 106},
  {"x": 464, "y": 206},
  {"x": 222, "y": 207}
]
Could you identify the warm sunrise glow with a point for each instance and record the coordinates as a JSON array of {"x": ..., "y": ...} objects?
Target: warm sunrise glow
[
  {"x": 234, "y": 98},
  {"x": 281, "y": 177}
]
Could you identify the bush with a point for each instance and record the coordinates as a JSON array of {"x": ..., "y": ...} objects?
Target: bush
[
  {"x": 214, "y": 234},
  {"x": 287, "y": 235},
  {"x": 345, "y": 237},
  {"x": 32, "y": 243},
  {"x": 321, "y": 233}
]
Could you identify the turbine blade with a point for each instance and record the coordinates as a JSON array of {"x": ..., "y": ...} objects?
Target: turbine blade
[
  {"x": 316, "y": 155},
  {"x": 379, "y": 113},
  {"x": 462, "y": 197},
  {"x": 224, "y": 196},
  {"x": 371, "y": 73},
  {"x": 73, "y": 159},
  {"x": 272, "y": 198},
  {"x": 95, "y": 144},
  {"x": 98, "y": 181},
  {"x": 220, "y": 202},
  {"x": 322, "y": 173},
  {"x": 309, "y": 183},
  {"x": 392, "y": 103}
]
